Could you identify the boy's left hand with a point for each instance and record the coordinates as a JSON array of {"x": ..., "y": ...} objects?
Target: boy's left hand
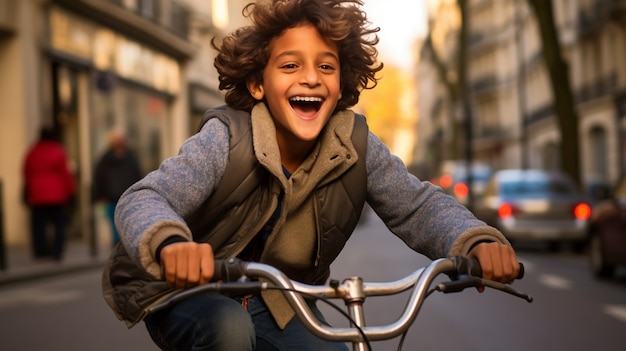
[{"x": 498, "y": 262}]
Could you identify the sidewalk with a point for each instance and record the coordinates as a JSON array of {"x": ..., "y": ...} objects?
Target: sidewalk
[{"x": 20, "y": 265}]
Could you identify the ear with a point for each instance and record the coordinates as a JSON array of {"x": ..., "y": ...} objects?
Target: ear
[{"x": 256, "y": 90}]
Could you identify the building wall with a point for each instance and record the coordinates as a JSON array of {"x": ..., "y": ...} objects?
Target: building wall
[
  {"x": 19, "y": 114},
  {"x": 509, "y": 80},
  {"x": 36, "y": 69}
]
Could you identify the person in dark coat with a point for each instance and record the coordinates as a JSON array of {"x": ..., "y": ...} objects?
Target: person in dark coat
[
  {"x": 116, "y": 170},
  {"x": 48, "y": 188}
]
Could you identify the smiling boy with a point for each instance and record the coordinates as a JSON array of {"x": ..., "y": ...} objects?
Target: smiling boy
[
  {"x": 301, "y": 87},
  {"x": 290, "y": 79}
]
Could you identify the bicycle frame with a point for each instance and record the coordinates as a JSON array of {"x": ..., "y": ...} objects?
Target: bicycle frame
[{"x": 352, "y": 291}]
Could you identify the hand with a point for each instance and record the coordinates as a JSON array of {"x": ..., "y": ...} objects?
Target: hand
[
  {"x": 187, "y": 264},
  {"x": 498, "y": 262}
]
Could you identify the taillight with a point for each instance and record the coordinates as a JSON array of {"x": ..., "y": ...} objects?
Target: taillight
[
  {"x": 460, "y": 190},
  {"x": 445, "y": 181},
  {"x": 582, "y": 211},
  {"x": 506, "y": 210}
]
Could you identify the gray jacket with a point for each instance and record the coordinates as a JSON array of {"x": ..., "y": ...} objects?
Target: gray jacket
[{"x": 425, "y": 218}]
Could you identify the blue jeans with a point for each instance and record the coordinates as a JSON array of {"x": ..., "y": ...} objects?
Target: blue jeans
[
  {"x": 215, "y": 322},
  {"x": 41, "y": 216},
  {"x": 110, "y": 212}
]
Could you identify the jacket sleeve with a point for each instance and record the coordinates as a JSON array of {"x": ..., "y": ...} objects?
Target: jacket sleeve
[
  {"x": 418, "y": 212},
  {"x": 66, "y": 175},
  {"x": 152, "y": 210}
]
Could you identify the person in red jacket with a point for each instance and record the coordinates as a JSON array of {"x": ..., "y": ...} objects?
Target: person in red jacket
[{"x": 49, "y": 187}]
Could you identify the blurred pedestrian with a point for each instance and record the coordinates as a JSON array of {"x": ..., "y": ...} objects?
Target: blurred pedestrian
[
  {"x": 48, "y": 188},
  {"x": 116, "y": 170}
]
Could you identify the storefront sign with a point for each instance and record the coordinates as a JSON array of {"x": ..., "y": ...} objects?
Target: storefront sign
[{"x": 113, "y": 52}]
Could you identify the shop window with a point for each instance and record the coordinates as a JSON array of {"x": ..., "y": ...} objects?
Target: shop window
[
  {"x": 598, "y": 150},
  {"x": 551, "y": 157}
]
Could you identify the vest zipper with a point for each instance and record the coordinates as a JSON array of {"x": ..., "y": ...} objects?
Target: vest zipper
[
  {"x": 242, "y": 244},
  {"x": 318, "y": 234}
]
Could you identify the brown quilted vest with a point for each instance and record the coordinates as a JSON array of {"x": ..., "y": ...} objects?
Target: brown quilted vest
[{"x": 227, "y": 216}]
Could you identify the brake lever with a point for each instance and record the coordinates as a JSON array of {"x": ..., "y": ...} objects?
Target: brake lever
[
  {"x": 233, "y": 289},
  {"x": 467, "y": 281}
]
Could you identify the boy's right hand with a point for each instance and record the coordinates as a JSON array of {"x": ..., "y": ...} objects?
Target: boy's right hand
[{"x": 187, "y": 264}]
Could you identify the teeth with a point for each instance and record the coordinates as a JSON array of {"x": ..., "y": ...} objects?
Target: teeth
[{"x": 305, "y": 99}]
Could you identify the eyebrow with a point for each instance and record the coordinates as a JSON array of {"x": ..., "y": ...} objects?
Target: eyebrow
[{"x": 297, "y": 53}]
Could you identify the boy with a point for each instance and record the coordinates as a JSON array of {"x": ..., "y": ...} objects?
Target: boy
[{"x": 290, "y": 78}]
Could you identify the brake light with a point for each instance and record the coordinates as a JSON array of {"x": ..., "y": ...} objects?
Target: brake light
[
  {"x": 582, "y": 211},
  {"x": 460, "y": 190},
  {"x": 445, "y": 181},
  {"x": 506, "y": 210}
]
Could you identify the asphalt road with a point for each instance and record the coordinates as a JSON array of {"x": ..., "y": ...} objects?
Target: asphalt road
[{"x": 571, "y": 311}]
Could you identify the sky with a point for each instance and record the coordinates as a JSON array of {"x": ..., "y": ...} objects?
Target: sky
[{"x": 400, "y": 22}]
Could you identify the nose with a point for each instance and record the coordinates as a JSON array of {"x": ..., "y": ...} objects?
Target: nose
[{"x": 310, "y": 76}]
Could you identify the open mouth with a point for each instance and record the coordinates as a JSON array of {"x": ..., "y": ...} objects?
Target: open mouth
[{"x": 306, "y": 106}]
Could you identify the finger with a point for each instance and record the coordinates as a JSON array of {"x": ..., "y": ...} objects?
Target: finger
[
  {"x": 482, "y": 253},
  {"x": 514, "y": 263},
  {"x": 182, "y": 268},
  {"x": 193, "y": 267},
  {"x": 501, "y": 266},
  {"x": 168, "y": 262},
  {"x": 207, "y": 263}
]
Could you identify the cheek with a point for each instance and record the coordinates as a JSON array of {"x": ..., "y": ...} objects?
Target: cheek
[{"x": 336, "y": 86}]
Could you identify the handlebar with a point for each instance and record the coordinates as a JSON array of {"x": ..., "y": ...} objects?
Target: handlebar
[
  {"x": 233, "y": 275},
  {"x": 233, "y": 269}
]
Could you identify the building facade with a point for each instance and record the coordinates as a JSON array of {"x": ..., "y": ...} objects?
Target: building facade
[
  {"x": 512, "y": 109},
  {"x": 87, "y": 66}
]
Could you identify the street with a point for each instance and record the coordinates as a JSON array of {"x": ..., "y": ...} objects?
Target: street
[{"x": 571, "y": 311}]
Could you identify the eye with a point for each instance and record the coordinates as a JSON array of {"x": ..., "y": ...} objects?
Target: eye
[
  {"x": 289, "y": 66},
  {"x": 326, "y": 67}
]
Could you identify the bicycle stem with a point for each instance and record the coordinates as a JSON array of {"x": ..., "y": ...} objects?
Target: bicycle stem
[{"x": 354, "y": 288}]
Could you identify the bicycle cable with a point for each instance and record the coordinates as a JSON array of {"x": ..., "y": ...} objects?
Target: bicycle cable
[
  {"x": 403, "y": 336},
  {"x": 334, "y": 306}
]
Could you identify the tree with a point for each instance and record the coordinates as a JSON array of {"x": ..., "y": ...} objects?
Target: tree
[
  {"x": 458, "y": 93},
  {"x": 451, "y": 73},
  {"x": 381, "y": 105},
  {"x": 564, "y": 105}
]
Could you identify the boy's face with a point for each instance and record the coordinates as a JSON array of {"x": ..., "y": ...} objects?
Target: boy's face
[{"x": 301, "y": 83}]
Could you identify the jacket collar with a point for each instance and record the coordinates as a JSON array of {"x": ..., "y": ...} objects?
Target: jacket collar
[{"x": 331, "y": 157}]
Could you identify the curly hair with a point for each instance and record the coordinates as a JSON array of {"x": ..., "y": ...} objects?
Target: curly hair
[{"x": 244, "y": 53}]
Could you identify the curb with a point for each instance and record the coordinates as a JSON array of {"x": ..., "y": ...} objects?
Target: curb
[{"x": 51, "y": 270}]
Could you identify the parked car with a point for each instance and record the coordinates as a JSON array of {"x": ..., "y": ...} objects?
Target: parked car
[
  {"x": 607, "y": 233},
  {"x": 536, "y": 205},
  {"x": 453, "y": 179}
]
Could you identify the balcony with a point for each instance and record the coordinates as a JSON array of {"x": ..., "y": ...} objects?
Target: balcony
[
  {"x": 602, "y": 86},
  {"x": 484, "y": 84},
  {"x": 540, "y": 114},
  {"x": 162, "y": 24},
  {"x": 169, "y": 14},
  {"x": 593, "y": 17},
  {"x": 8, "y": 13}
]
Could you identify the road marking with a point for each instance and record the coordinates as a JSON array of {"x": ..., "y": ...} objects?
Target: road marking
[
  {"x": 57, "y": 297},
  {"x": 37, "y": 296},
  {"x": 617, "y": 311},
  {"x": 554, "y": 281}
]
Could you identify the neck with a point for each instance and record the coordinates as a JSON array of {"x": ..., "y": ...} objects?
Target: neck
[{"x": 294, "y": 152}]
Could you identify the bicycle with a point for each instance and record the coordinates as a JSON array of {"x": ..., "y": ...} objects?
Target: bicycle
[{"x": 234, "y": 277}]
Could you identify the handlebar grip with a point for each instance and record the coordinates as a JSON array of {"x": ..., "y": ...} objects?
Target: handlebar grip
[
  {"x": 521, "y": 271},
  {"x": 229, "y": 270},
  {"x": 471, "y": 266}
]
